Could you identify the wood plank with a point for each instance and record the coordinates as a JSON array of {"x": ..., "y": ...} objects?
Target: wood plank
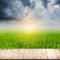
[
  {"x": 35, "y": 54},
  {"x": 23, "y": 54},
  {"x": 53, "y": 53},
  {"x": 29, "y": 53},
  {"x": 11, "y": 54},
  {"x": 39, "y": 54},
  {"x": 58, "y": 53}
]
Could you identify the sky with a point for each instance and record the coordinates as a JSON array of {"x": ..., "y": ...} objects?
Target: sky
[{"x": 45, "y": 12}]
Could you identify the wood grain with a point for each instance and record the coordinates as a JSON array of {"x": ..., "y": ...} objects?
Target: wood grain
[
  {"x": 29, "y": 53},
  {"x": 53, "y": 53}
]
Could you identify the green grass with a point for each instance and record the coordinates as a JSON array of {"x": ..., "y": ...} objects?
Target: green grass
[{"x": 27, "y": 40}]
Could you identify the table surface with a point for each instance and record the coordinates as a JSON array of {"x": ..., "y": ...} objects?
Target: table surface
[{"x": 29, "y": 53}]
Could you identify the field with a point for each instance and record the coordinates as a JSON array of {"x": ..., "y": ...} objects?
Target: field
[{"x": 29, "y": 40}]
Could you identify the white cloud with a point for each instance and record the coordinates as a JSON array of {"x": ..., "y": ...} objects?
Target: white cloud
[{"x": 49, "y": 17}]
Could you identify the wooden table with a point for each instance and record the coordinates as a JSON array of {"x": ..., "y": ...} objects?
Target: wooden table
[{"x": 29, "y": 53}]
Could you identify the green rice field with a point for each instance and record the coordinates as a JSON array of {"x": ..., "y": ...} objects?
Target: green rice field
[{"x": 29, "y": 40}]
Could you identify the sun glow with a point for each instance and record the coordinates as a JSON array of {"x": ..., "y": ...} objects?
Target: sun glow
[{"x": 28, "y": 25}]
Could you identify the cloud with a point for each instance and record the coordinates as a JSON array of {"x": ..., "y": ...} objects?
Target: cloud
[
  {"x": 57, "y": 2},
  {"x": 41, "y": 9},
  {"x": 44, "y": 3},
  {"x": 13, "y": 8},
  {"x": 26, "y": 2},
  {"x": 10, "y": 8},
  {"x": 47, "y": 12}
]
